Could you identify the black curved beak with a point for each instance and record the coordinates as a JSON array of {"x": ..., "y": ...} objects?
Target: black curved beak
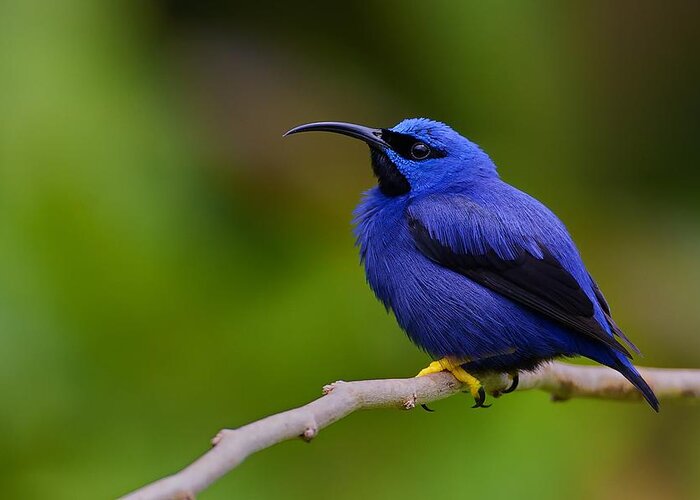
[{"x": 372, "y": 136}]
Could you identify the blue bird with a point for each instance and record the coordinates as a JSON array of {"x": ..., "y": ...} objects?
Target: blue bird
[{"x": 480, "y": 275}]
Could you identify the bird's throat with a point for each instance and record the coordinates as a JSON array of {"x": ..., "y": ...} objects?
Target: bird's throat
[{"x": 391, "y": 181}]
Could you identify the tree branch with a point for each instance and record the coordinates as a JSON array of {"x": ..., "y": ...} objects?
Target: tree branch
[{"x": 562, "y": 381}]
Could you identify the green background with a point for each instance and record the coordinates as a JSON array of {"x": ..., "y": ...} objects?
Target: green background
[{"x": 170, "y": 266}]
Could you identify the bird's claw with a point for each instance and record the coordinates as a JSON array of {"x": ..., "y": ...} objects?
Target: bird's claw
[
  {"x": 480, "y": 399},
  {"x": 513, "y": 385}
]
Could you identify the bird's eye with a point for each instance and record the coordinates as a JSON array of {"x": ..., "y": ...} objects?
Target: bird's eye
[{"x": 420, "y": 151}]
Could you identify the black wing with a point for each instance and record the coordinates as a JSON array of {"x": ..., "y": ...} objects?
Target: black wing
[{"x": 540, "y": 284}]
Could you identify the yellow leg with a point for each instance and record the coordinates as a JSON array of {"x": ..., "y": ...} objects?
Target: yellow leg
[{"x": 453, "y": 366}]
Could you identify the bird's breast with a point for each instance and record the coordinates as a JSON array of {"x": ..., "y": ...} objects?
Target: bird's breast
[{"x": 385, "y": 244}]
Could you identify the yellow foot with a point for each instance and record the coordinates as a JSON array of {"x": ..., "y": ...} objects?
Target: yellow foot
[{"x": 453, "y": 366}]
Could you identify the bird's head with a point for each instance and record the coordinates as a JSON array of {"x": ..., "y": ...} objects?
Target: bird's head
[{"x": 415, "y": 156}]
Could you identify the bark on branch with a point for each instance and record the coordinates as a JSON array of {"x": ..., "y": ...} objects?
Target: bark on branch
[{"x": 562, "y": 381}]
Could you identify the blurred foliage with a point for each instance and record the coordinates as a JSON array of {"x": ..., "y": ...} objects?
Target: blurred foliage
[{"x": 169, "y": 266}]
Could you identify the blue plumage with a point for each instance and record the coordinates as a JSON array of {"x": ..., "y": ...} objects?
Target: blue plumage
[{"x": 471, "y": 267}]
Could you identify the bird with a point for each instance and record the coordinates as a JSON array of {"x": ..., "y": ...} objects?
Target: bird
[{"x": 478, "y": 274}]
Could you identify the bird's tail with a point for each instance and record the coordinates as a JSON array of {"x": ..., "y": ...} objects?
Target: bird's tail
[
  {"x": 618, "y": 361},
  {"x": 623, "y": 365}
]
